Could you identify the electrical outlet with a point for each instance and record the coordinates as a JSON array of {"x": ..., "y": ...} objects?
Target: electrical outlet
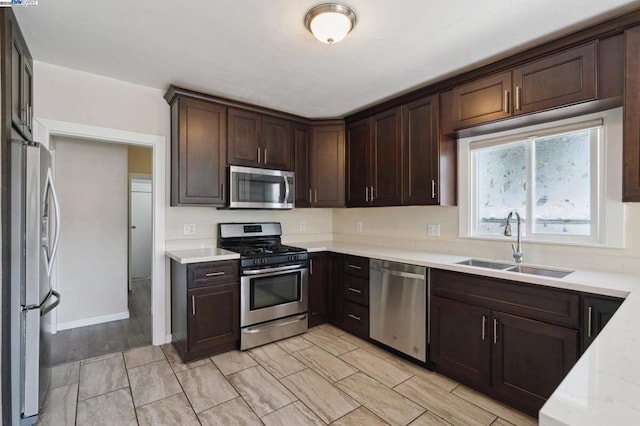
[
  {"x": 358, "y": 226},
  {"x": 433, "y": 230},
  {"x": 302, "y": 226},
  {"x": 188, "y": 229}
]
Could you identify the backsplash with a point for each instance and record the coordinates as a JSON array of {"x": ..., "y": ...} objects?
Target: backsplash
[{"x": 406, "y": 227}]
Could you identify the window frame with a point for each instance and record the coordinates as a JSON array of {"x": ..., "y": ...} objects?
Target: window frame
[{"x": 607, "y": 209}]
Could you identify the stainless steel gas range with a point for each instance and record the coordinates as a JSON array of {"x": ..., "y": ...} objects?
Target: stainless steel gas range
[{"x": 273, "y": 283}]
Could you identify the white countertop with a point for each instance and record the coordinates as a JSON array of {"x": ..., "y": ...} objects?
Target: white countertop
[
  {"x": 195, "y": 255},
  {"x": 602, "y": 388}
]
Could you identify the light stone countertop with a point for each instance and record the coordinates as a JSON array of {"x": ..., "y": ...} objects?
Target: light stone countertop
[
  {"x": 602, "y": 388},
  {"x": 195, "y": 255}
]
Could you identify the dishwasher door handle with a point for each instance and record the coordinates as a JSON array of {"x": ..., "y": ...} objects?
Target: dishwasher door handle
[{"x": 403, "y": 274}]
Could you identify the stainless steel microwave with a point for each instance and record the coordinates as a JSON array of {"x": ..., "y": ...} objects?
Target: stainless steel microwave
[{"x": 253, "y": 188}]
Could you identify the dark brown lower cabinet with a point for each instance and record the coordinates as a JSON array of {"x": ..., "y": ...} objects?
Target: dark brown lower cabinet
[
  {"x": 460, "y": 340},
  {"x": 205, "y": 308},
  {"x": 515, "y": 356},
  {"x": 214, "y": 315},
  {"x": 529, "y": 359},
  {"x": 318, "y": 291},
  {"x": 596, "y": 313}
]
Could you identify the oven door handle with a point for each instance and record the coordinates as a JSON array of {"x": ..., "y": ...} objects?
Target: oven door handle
[
  {"x": 279, "y": 324},
  {"x": 270, "y": 270}
]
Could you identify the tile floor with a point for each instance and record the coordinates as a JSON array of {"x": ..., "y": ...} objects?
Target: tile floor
[{"x": 322, "y": 377}]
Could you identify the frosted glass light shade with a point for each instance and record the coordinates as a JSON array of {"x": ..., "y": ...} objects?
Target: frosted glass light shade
[{"x": 330, "y": 22}]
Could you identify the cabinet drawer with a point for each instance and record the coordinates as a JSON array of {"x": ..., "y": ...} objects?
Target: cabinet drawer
[
  {"x": 356, "y": 290},
  {"x": 356, "y": 319},
  {"x": 530, "y": 301},
  {"x": 207, "y": 273},
  {"x": 356, "y": 266}
]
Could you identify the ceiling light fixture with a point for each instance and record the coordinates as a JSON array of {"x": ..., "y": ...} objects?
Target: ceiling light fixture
[{"x": 330, "y": 22}]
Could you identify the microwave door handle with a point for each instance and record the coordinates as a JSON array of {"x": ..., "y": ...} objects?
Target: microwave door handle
[{"x": 287, "y": 189}]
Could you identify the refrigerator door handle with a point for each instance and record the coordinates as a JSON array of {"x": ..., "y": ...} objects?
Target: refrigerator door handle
[
  {"x": 52, "y": 306},
  {"x": 49, "y": 257}
]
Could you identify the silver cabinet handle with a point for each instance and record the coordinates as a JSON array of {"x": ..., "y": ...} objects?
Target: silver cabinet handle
[
  {"x": 310, "y": 266},
  {"x": 310, "y": 197},
  {"x": 214, "y": 274},
  {"x": 495, "y": 331},
  {"x": 354, "y": 266},
  {"x": 372, "y": 197},
  {"x": 265, "y": 156},
  {"x": 316, "y": 195},
  {"x": 589, "y": 324},
  {"x": 258, "y": 155},
  {"x": 366, "y": 194},
  {"x": 222, "y": 190},
  {"x": 518, "y": 98},
  {"x": 193, "y": 304},
  {"x": 354, "y": 290},
  {"x": 505, "y": 106},
  {"x": 484, "y": 327},
  {"x": 354, "y": 317},
  {"x": 433, "y": 188}
]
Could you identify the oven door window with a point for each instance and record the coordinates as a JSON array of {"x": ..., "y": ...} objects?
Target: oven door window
[{"x": 274, "y": 290}]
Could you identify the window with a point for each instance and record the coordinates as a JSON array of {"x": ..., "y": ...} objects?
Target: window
[{"x": 560, "y": 177}]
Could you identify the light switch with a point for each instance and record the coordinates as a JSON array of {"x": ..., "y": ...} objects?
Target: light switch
[
  {"x": 433, "y": 230},
  {"x": 358, "y": 226}
]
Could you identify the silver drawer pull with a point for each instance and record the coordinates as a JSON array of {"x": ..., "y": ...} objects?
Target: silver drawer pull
[
  {"x": 355, "y": 290},
  {"x": 354, "y": 317},
  {"x": 193, "y": 304},
  {"x": 354, "y": 266},
  {"x": 214, "y": 274}
]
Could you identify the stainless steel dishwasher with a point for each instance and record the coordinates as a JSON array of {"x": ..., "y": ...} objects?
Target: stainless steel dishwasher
[{"x": 398, "y": 306}]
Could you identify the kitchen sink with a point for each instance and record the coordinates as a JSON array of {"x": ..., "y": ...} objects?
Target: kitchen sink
[
  {"x": 533, "y": 270},
  {"x": 486, "y": 264},
  {"x": 521, "y": 269}
]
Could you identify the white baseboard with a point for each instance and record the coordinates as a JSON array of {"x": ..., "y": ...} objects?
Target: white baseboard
[{"x": 93, "y": 320}]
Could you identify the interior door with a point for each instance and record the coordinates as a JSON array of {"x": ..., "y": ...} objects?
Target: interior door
[{"x": 140, "y": 228}]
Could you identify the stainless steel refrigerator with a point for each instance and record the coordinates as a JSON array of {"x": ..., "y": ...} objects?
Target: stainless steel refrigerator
[{"x": 35, "y": 232}]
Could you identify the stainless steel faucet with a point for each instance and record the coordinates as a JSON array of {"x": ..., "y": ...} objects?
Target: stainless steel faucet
[{"x": 517, "y": 249}]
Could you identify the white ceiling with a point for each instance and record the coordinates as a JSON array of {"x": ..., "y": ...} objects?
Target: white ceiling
[{"x": 259, "y": 51}]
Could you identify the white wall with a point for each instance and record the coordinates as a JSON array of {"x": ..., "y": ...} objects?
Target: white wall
[
  {"x": 91, "y": 268},
  {"x": 407, "y": 227}
]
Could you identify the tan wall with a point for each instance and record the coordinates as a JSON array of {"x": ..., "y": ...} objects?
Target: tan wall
[{"x": 139, "y": 160}]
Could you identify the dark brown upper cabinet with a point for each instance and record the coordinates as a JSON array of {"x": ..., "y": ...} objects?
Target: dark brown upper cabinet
[
  {"x": 421, "y": 177},
  {"x": 358, "y": 148},
  {"x": 198, "y": 152},
  {"x": 258, "y": 140},
  {"x": 554, "y": 81},
  {"x": 375, "y": 161},
  {"x": 319, "y": 164},
  {"x": 21, "y": 83},
  {"x": 631, "y": 141}
]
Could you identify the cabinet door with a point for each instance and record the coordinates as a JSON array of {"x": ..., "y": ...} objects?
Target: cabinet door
[
  {"x": 529, "y": 359},
  {"x": 631, "y": 142},
  {"x": 318, "y": 290},
  {"x": 460, "y": 341},
  {"x": 482, "y": 101},
  {"x": 596, "y": 313},
  {"x": 327, "y": 166},
  {"x": 358, "y": 141},
  {"x": 334, "y": 273},
  {"x": 198, "y": 152},
  {"x": 243, "y": 145},
  {"x": 301, "y": 140},
  {"x": 421, "y": 155},
  {"x": 564, "y": 78},
  {"x": 213, "y": 316},
  {"x": 386, "y": 159},
  {"x": 276, "y": 143}
]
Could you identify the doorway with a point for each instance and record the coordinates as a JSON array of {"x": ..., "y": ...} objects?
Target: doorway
[{"x": 46, "y": 129}]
